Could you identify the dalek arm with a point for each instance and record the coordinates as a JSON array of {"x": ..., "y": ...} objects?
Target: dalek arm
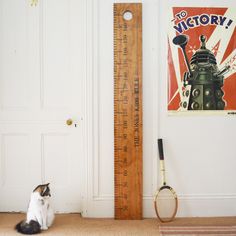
[{"x": 222, "y": 72}]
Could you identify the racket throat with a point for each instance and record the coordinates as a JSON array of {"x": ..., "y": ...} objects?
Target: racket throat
[{"x": 162, "y": 172}]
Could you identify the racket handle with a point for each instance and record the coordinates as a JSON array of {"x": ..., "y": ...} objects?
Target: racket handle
[{"x": 160, "y": 149}]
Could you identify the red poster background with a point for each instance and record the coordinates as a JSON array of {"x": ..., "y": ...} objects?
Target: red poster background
[{"x": 229, "y": 87}]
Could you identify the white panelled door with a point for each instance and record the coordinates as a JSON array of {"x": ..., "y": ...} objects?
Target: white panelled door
[{"x": 42, "y": 74}]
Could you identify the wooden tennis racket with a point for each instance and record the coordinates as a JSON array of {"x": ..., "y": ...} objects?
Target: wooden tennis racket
[{"x": 165, "y": 200}]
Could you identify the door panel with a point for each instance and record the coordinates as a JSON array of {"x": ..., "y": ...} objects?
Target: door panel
[
  {"x": 63, "y": 55},
  {"x": 56, "y": 55},
  {"x": 14, "y": 56},
  {"x": 15, "y": 154}
]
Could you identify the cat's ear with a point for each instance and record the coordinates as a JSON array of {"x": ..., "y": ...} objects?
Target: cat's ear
[
  {"x": 37, "y": 188},
  {"x": 47, "y": 184}
]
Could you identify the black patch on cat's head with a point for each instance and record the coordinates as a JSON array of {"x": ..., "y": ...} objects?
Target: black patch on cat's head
[
  {"x": 43, "y": 190},
  {"x": 46, "y": 191}
]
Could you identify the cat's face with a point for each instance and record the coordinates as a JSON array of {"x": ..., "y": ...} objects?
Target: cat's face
[{"x": 43, "y": 190}]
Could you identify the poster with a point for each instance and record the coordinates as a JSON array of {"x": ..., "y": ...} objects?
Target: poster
[{"x": 202, "y": 60}]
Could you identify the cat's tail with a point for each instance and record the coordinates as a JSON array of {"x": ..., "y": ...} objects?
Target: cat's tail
[{"x": 33, "y": 227}]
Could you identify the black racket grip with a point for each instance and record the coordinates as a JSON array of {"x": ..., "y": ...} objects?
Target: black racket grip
[{"x": 160, "y": 149}]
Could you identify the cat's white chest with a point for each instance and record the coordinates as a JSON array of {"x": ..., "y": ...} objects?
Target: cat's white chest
[{"x": 40, "y": 210}]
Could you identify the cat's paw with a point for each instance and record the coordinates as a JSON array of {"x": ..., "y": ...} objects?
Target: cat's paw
[{"x": 44, "y": 228}]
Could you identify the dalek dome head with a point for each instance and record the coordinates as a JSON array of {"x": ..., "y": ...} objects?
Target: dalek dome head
[{"x": 203, "y": 55}]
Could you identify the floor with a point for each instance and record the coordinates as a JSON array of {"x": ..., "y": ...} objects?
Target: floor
[{"x": 74, "y": 224}]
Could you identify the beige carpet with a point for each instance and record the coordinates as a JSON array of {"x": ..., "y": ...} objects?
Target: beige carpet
[{"x": 74, "y": 224}]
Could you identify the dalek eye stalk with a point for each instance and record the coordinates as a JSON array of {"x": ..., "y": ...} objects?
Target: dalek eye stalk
[{"x": 202, "y": 83}]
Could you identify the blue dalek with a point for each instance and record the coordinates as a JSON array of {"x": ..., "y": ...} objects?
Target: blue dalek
[{"x": 203, "y": 81}]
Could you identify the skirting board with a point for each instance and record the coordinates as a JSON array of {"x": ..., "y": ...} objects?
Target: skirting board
[{"x": 189, "y": 206}]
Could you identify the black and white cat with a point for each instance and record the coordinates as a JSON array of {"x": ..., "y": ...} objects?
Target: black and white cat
[{"x": 40, "y": 214}]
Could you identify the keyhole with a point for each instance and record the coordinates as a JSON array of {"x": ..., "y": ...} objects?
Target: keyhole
[{"x": 127, "y": 15}]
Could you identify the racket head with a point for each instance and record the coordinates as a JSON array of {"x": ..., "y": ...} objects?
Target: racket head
[{"x": 166, "y": 203}]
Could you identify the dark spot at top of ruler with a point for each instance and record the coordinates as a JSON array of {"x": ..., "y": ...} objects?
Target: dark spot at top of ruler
[{"x": 118, "y": 26}]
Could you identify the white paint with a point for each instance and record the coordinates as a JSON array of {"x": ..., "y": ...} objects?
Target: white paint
[{"x": 74, "y": 39}]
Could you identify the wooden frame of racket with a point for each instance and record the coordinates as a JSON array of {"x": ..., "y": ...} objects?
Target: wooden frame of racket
[
  {"x": 176, "y": 203},
  {"x": 164, "y": 185}
]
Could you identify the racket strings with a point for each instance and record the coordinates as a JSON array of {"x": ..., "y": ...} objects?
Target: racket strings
[{"x": 166, "y": 204}]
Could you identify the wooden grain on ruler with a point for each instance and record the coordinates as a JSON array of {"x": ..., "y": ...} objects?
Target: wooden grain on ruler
[{"x": 128, "y": 111}]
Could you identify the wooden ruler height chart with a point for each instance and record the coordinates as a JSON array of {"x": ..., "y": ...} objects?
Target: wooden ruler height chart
[{"x": 128, "y": 110}]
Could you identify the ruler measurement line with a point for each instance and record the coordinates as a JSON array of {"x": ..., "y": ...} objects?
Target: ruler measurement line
[{"x": 128, "y": 111}]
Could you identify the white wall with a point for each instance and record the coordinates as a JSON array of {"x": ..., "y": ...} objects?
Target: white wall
[{"x": 199, "y": 150}]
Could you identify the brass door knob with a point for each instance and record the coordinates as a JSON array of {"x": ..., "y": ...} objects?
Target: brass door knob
[{"x": 69, "y": 122}]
